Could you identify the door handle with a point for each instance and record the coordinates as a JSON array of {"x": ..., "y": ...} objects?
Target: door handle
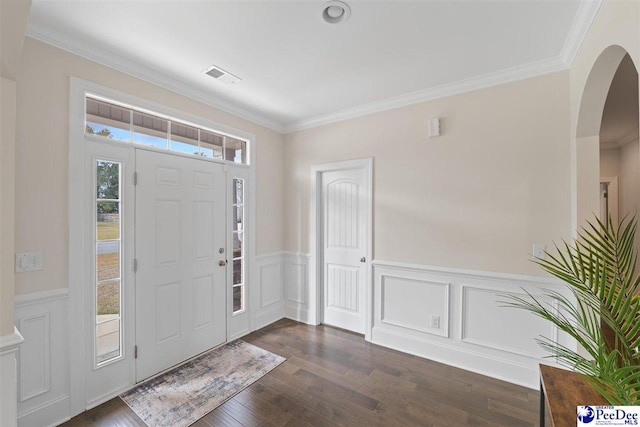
[
  {"x": 222, "y": 262},
  {"x": 363, "y": 259}
]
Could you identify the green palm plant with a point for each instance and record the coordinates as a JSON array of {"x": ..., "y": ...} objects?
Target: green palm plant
[{"x": 599, "y": 268}]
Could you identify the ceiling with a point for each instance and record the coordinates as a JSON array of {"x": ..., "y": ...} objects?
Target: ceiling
[
  {"x": 619, "y": 124},
  {"x": 298, "y": 71}
]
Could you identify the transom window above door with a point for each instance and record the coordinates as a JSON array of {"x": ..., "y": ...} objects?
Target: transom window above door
[{"x": 108, "y": 119}]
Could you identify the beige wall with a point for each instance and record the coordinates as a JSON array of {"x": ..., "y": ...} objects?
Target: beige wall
[
  {"x": 588, "y": 178},
  {"x": 624, "y": 163},
  {"x": 609, "y": 162},
  {"x": 629, "y": 178},
  {"x": 13, "y": 23},
  {"x": 630, "y": 183},
  {"x": 42, "y": 157},
  {"x": 617, "y": 24},
  {"x": 503, "y": 176},
  {"x": 7, "y": 173},
  {"x": 477, "y": 197}
]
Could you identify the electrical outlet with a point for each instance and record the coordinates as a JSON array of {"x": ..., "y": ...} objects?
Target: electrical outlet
[
  {"x": 29, "y": 261},
  {"x": 435, "y": 322}
]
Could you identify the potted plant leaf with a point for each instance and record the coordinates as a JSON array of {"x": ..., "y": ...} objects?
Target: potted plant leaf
[{"x": 599, "y": 268}]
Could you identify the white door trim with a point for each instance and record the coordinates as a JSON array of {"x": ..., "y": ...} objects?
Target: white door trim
[
  {"x": 315, "y": 242},
  {"x": 613, "y": 196},
  {"x": 78, "y": 153}
]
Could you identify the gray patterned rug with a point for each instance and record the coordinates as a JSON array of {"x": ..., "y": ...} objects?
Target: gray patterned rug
[{"x": 187, "y": 393}]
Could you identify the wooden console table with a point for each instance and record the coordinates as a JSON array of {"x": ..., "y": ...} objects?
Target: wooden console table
[{"x": 562, "y": 392}]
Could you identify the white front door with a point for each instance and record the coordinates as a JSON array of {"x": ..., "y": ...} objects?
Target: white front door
[
  {"x": 344, "y": 243},
  {"x": 180, "y": 243}
]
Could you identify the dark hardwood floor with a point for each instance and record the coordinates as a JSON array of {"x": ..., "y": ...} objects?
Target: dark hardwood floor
[{"x": 333, "y": 377}]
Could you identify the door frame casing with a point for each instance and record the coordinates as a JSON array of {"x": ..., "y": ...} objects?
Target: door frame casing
[
  {"x": 613, "y": 196},
  {"x": 316, "y": 293},
  {"x": 78, "y": 356}
]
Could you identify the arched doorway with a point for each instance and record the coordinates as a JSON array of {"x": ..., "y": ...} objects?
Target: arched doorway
[
  {"x": 607, "y": 143},
  {"x": 619, "y": 154},
  {"x": 605, "y": 87}
]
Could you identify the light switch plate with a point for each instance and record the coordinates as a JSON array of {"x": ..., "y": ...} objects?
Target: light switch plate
[
  {"x": 29, "y": 261},
  {"x": 434, "y": 127},
  {"x": 538, "y": 250}
]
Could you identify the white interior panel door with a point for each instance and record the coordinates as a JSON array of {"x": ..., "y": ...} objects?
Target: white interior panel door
[
  {"x": 180, "y": 284},
  {"x": 344, "y": 243}
]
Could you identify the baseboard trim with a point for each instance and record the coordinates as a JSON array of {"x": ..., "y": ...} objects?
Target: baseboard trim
[
  {"x": 299, "y": 315},
  {"x": 42, "y": 415},
  {"x": 268, "y": 317},
  {"x": 108, "y": 396},
  {"x": 477, "y": 362}
]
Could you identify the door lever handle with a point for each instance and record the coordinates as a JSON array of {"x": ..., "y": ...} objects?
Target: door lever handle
[{"x": 363, "y": 259}]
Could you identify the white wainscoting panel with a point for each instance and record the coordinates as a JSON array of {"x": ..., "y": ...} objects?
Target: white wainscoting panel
[
  {"x": 269, "y": 301},
  {"x": 43, "y": 358},
  {"x": 35, "y": 363},
  {"x": 271, "y": 290},
  {"x": 481, "y": 329},
  {"x": 9, "y": 345},
  {"x": 297, "y": 287},
  {"x": 476, "y": 332},
  {"x": 410, "y": 304}
]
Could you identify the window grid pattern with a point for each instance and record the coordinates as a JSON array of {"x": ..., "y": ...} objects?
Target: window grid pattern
[
  {"x": 238, "y": 246},
  {"x": 109, "y": 120},
  {"x": 108, "y": 265}
]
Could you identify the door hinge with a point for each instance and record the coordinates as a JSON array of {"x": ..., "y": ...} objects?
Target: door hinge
[
  {"x": 606, "y": 195},
  {"x": 135, "y": 351},
  {"x": 135, "y": 178},
  {"x": 135, "y": 265}
]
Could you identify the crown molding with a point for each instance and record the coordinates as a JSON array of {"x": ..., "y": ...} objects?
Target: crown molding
[
  {"x": 631, "y": 136},
  {"x": 151, "y": 76},
  {"x": 587, "y": 11},
  {"x": 492, "y": 79}
]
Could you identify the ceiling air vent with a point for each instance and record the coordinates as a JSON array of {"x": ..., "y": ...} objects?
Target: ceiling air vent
[{"x": 221, "y": 75}]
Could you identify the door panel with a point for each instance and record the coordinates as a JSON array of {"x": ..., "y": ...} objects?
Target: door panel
[
  {"x": 344, "y": 246},
  {"x": 108, "y": 295},
  {"x": 167, "y": 312},
  {"x": 342, "y": 287},
  {"x": 180, "y": 287},
  {"x": 168, "y": 232},
  {"x": 203, "y": 293}
]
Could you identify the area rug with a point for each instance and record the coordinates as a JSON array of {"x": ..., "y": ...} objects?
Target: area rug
[{"x": 185, "y": 394}]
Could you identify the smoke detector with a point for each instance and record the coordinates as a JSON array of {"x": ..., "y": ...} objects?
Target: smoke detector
[
  {"x": 335, "y": 12},
  {"x": 221, "y": 75}
]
